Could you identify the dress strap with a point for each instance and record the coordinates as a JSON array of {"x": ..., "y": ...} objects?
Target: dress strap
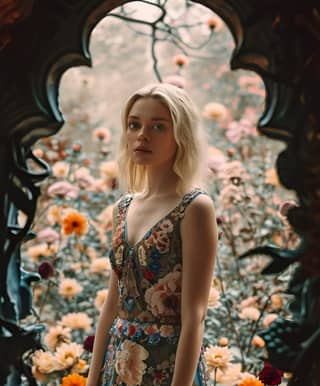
[
  {"x": 188, "y": 198},
  {"x": 124, "y": 201}
]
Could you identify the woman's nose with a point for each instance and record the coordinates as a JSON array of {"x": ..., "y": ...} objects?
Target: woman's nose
[{"x": 143, "y": 133}]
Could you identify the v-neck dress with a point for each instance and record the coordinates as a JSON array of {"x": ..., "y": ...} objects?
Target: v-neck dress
[{"x": 143, "y": 339}]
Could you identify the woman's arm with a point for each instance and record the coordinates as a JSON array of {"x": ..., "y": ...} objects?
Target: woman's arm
[
  {"x": 199, "y": 247},
  {"x": 106, "y": 318}
]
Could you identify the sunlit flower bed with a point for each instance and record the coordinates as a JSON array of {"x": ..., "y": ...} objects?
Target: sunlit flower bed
[{"x": 70, "y": 252}]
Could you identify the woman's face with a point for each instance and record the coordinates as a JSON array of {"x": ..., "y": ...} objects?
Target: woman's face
[{"x": 150, "y": 136}]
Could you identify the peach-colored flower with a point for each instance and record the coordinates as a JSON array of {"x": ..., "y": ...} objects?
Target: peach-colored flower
[
  {"x": 223, "y": 341},
  {"x": 68, "y": 288},
  {"x": 166, "y": 330},
  {"x": 130, "y": 365},
  {"x": 80, "y": 367},
  {"x": 37, "y": 251},
  {"x": 216, "y": 159},
  {"x": 105, "y": 218},
  {"x": 271, "y": 177},
  {"x": 60, "y": 169},
  {"x": 249, "y": 313},
  {"x": 57, "y": 335},
  {"x": 38, "y": 152},
  {"x": 68, "y": 354},
  {"x": 276, "y": 302},
  {"x": 74, "y": 222},
  {"x": 214, "y": 23},
  {"x": 251, "y": 381},
  {"x": 164, "y": 297},
  {"x": 239, "y": 129},
  {"x": 43, "y": 362},
  {"x": 215, "y": 111},
  {"x": 233, "y": 169},
  {"x": 109, "y": 172},
  {"x": 77, "y": 321},
  {"x": 100, "y": 298},
  {"x": 217, "y": 357},
  {"x": 175, "y": 80},
  {"x": 251, "y": 301},
  {"x": 102, "y": 134},
  {"x": 257, "y": 341},
  {"x": 180, "y": 60},
  {"x": 47, "y": 235},
  {"x": 84, "y": 178},
  {"x": 54, "y": 214},
  {"x": 100, "y": 265},
  {"x": 214, "y": 296},
  {"x": 230, "y": 195},
  {"x": 230, "y": 376},
  {"x": 91, "y": 253},
  {"x": 268, "y": 319},
  {"x": 63, "y": 189}
]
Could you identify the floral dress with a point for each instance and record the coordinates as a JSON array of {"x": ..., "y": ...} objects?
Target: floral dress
[{"x": 144, "y": 336}]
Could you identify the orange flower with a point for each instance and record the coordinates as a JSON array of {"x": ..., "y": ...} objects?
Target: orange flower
[
  {"x": 74, "y": 380},
  {"x": 74, "y": 222},
  {"x": 251, "y": 381}
]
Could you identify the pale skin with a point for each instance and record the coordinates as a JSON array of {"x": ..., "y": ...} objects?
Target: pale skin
[{"x": 150, "y": 129}]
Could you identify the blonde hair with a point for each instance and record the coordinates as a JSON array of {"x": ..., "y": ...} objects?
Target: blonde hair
[{"x": 190, "y": 164}]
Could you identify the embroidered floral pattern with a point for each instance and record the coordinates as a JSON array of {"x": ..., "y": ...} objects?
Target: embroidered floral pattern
[{"x": 144, "y": 337}]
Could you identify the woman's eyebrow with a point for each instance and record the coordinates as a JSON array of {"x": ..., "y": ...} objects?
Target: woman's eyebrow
[{"x": 152, "y": 119}]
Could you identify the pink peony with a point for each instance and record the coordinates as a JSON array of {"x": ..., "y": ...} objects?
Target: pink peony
[
  {"x": 63, "y": 189},
  {"x": 47, "y": 235}
]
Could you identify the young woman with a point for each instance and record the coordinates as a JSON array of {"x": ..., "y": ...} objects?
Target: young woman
[{"x": 163, "y": 249}]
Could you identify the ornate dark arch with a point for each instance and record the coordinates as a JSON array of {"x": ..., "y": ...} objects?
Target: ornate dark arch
[{"x": 278, "y": 39}]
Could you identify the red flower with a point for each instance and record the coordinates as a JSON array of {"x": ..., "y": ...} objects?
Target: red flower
[
  {"x": 149, "y": 275},
  {"x": 46, "y": 270},
  {"x": 270, "y": 375},
  {"x": 132, "y": 330},
  {"x": 88, "y": 343}
]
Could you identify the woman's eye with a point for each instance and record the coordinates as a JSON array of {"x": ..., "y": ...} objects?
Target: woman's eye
[
  {"x": 133, "y": 125},
  {"x": 159, "y": 127}
]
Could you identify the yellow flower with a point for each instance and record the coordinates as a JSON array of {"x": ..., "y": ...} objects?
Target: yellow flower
[
  {"x": 215, "y": 111},
  {"x": 68, "y": 288},
  {"x": 68, "y": 354},
  {"x": 217, "y": 357},
  {"x": 100, "y": 298},
  {"x": 57, "y": 335},
  {"x": 74, "y": 222},
  {"x": 74, "y": 380},
  {"x": 251, "y": 381},
  {"x": 77, "y": 321}
]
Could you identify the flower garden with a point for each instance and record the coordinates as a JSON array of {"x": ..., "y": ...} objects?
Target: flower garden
[{"x": 73, "y": 233}]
